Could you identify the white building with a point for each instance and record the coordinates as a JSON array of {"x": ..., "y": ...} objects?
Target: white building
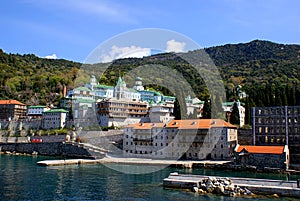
[
  {"x": 121, "y": 112},
  {"x": 122, "y": 92},
  {"x": 193, "y": 105},
  {"x": 193, "y": 139},
  {"x": 227, "y": 107},
  {"x": 54, "y": 118},
  {"x": 161, "y": 112},
  {"x": 36, "y": 111},
  {"x": 82, "y": 93}
]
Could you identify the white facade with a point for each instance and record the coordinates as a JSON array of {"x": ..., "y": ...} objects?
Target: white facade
[
  {"x": 36, "y": 111},
  {"x": 194, "y": 139},
  {"x": 115, "y": 112},
  {"x": 161, "y": 113},
  {"x": 81, "y": 93},
  {"x": 194, "y": 105},
  {"x": 55, "y": 118},
  {"x": 227, "y": 107},
  {"x": 138, "y": 84}
]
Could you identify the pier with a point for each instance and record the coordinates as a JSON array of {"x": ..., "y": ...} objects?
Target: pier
[
  {"x": 256, "y": 186},
  {"x": 133, "y": 161}
]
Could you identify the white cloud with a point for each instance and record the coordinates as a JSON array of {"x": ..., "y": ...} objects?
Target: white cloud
[
  {"x": 53, "y": 56},
  {"x": 175, "y": 46},
  {"x": 125, "y": 52}
]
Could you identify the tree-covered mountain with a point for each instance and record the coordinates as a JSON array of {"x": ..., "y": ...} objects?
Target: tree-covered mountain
[
  {"x": 268, "y": 72},
  {"x": 33, "y": 80}
]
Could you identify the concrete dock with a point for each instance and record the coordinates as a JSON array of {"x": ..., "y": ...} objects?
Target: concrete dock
[
  {"x": 257, "y": 186},
  {"x": 132, "y": 161},
  {"x": 66, "y": 162}
]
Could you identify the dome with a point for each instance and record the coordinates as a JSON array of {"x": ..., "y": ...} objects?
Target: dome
[{"x": 138, "y": 79}]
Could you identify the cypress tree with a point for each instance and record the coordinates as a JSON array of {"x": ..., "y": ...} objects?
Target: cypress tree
[
  {"x": 176, "y": 111},
  {"x": 293, "y": 96},
  {"x": 235, "y": 115},
  {"x": 206, "y": 113},
  {"x": 247, "y": 111}
]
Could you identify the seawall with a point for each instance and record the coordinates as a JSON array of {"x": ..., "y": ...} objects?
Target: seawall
[{"x": 73, "y": 150}]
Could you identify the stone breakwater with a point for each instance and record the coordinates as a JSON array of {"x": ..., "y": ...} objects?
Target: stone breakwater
[
  {"x": 220, "y": 186},
  {"x": 233, "y": 186}
]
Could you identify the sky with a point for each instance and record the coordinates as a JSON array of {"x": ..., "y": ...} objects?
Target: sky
[{"x": 72, "y": 29}]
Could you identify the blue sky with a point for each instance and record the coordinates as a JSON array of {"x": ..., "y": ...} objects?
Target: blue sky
[{"x": 71, "y": 29}]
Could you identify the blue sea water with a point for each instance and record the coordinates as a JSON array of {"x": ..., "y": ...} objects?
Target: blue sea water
[{"x": 22, "y": 179}]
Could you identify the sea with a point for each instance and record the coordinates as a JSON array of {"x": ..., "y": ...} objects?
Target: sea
[{"x": 22, "y": 179}]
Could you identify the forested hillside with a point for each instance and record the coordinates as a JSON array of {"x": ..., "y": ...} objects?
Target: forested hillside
[
  {"x": 268, "y": 72},
  {"x": 33, "y": 80}
]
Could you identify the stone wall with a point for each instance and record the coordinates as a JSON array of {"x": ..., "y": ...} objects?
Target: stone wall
[
  {"x": 47, "y": 148},
  {"x": 25, "y": 124},
  {"x": 245, "y": 136},
  {"x": 50, "y": 138},
  {"x": 268, "y": 160},
  {"x": 262, "y": 161}
]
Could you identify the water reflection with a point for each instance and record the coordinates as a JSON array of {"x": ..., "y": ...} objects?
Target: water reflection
[{"x": 22, "y": 179}]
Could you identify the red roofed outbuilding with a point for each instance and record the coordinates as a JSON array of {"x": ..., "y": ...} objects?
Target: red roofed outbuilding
[{"x": 263, "y": 156}]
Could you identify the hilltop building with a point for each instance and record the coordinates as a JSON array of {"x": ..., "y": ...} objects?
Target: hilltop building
[
  {"x": 121, "y": 112},
  {"x": 12, "y": 110},
  {"x": 194, "y": 106},
  {"x": 193, "y": 139},
  {"x": 161, "y": 112},
  {"x": 118, "y": 105}
]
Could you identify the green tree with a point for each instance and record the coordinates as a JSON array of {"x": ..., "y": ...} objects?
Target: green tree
[
  {"x": 206, "y": 112},
  {"x": 235, "y": 115},
  {"x": 176, "y": 111}
]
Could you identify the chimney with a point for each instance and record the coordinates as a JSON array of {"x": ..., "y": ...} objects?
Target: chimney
[{"x": 64, "y": 91}]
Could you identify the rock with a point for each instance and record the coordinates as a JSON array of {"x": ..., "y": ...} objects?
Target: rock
[
  {"x": 248, "y": 192},
  {"x": 220, "y": 186},
  {"x": 217, "y": 183},
  {"x": 219, "y": 190},
  {"x": 203, "y": 186},
  {"x": 210, "y": 190},
  {"x": 201, "y": 191},
  {"x": 195, "y": 189},
  {"x": 229, "y": 188},
  {"x": 226, "y": 182}
]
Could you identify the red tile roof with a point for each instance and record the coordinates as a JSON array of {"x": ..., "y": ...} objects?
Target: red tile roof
[
  {"x": 261, "y": 149},
  {"x": 146, "y": 125},
  {"x": 185, "y": 124},
  {"x": 10, "y": 102},
  {"x": 199, "y": 124}
]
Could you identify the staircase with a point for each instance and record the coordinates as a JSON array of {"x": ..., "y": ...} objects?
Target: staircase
[{"x": 94, "y": 151}]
